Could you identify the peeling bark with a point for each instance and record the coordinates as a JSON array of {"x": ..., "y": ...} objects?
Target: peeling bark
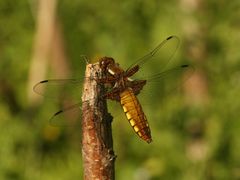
[{"x": 97, "y": 144}]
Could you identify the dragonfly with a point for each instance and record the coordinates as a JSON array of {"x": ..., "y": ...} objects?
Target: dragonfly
[{"x": 155, "y": 67}]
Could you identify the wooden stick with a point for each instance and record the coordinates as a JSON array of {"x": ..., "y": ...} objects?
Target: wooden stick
[{"x": 97, "y": 144}]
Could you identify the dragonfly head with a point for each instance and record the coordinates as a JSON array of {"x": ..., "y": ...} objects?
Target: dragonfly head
[
  {"x": 108, "y": 66},
  {"x": 105, "y": 62}
]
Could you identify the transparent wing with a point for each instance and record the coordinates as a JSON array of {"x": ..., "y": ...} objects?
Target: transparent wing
[
  {"x": 69, "y": 115},
  {"x": 54, "y": 88},
  {"x": 169, "y": 80},
  {"x": 63, "y": 92},
  {"x": 159, "y": 59},
  {"x": 163, "y": 72}
]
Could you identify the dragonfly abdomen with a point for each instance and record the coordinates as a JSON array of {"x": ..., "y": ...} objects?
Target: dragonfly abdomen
[{"x": 135, "y": 114}]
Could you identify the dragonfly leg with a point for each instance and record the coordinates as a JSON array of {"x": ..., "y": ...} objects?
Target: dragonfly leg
[
  {"x": 106, "y": 80},
  {"x": 137, "y": 86},
  {"x": 113, "y": 95}
]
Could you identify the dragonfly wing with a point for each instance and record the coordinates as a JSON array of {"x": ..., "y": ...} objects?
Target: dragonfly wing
[
  {"x": 163, "y": 72},
  {"x": 171, "y": 79},
  {"x": 62, "y": 92},
  {"x": 159, "y": 59},
  {"x": 68, "y": 116},
  {"x": 54, "y": 88}
]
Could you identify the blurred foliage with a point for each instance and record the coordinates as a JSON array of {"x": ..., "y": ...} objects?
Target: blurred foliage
[{"x": 196, "y": 141}]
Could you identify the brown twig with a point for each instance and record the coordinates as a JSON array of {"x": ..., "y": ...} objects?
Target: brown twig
[{"x": 97, "y": 144}]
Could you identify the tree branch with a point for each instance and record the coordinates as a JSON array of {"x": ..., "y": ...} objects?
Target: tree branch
[{"x": 97, "y": 144}]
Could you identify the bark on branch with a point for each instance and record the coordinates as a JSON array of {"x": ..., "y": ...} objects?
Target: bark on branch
[{"x": 97, "y": 144}]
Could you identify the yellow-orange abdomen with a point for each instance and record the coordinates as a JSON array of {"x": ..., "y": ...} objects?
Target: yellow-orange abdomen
[{"x": 135, "y": 114}]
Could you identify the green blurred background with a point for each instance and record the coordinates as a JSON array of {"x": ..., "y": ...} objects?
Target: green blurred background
[{"x": 195, "y": 131}]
